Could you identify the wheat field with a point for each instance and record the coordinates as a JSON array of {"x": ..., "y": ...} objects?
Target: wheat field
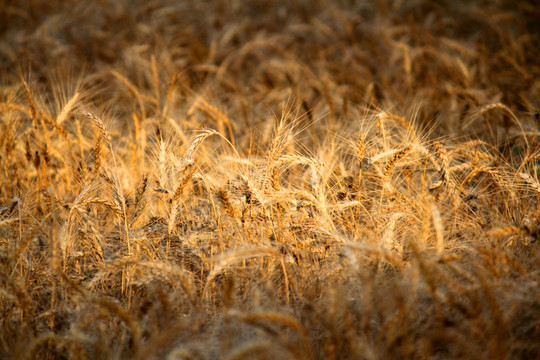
[{"x": 269, "y": 180}]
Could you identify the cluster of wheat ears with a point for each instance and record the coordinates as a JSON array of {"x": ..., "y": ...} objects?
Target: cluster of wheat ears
[{"x": 269, "y": 180}]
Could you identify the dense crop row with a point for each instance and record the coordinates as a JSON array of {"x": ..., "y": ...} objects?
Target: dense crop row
[{"x": 266, "y": 180}]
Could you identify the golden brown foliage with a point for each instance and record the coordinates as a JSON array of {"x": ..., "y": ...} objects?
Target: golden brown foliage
[{"x": 269, "y": 180}]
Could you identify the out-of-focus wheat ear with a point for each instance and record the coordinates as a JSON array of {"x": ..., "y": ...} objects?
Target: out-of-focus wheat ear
[
  {"x": 183, "y": 277},
  {"x": 115, "y": 309},
  {"x": 473, "y": 148},
  {"x": 328, "y": 97},
  {"x": 139, "y": 143},
  {"x": 531, "y": 158},
  {"x": 60, "y": 129},
  {"x": 259, "y": 318},
  {"x": 231, "y": 257},
  {"x": 249, "y": 349},
  {"x": 506, "y": 231},
  {"x": 182, "y": 353},
  {"x": 275, "y": 179},
  {"x": 98, "y": 200},
  {"x": 223, "y": 197},
  {"x": 51, "y": 341},
  {"x": 374, "y": 251},
  {"x": 66, "y": 109},
  {"x": 80, "y": 140},
  {"x": 438, "y": 225},
  {"x": 406, "y": 49},
  {"x": 388, "y": 240},
  {"x": 470, "y": 95},
  {"x": 141, "y": 191},
  {"x": 27, "y": 150},
  {"x": 133, "y": 89},
  {"x": 185, "y": 175},
  {"x": 45, "y": 154},
  {"x": 291, "y": 160},
  {"x": 7, "y": 140},
  {"x": 498, "y": 324},
  {"x": 161, "y": 158},
  {"x": 31, "y": 103},
  {"x": 381, "y": 129},
  {"x": 96, "y": 151},
  {"x": 155, "y": 80},
  {"x": 282, "y": 137},
  {"x": 37, "y": 160},
  {"x": 119, "y": 197},
  {"x": 170, "y": 91},
  {"x": 485, "y": 109},
  {"x": 444, "y": 164},
  {"x": 428, "y": 271}
]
